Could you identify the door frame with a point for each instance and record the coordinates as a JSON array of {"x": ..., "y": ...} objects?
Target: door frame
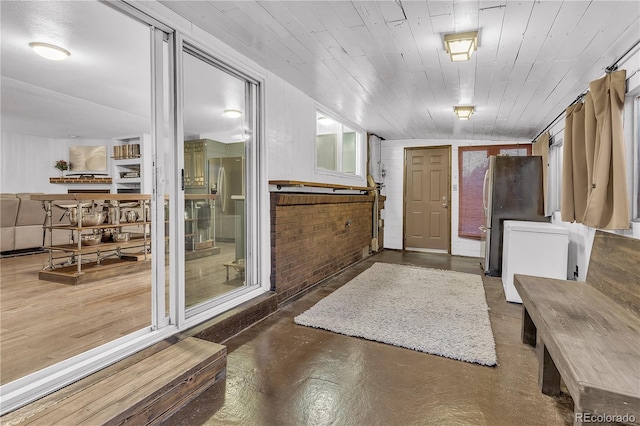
[{"x": 404, "y": 191}]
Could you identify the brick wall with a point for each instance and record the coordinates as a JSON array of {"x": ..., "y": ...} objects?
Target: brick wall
[{"x": 314, "y": 236}]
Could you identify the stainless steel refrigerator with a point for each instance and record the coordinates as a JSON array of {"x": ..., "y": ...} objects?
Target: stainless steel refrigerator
[
  {"x": 226, "y": 178},
  {"x": 512, "y": 191}
]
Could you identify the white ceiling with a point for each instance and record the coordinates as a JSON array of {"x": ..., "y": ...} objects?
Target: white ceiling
[
  {"x": 102, "y": 90},
  {"x": 381, "y": 65}
]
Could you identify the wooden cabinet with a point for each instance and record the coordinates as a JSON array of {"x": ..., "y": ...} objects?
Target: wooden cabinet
[
  {"x": 195, "y": 164},
  {"x": 77, "y": 262}
]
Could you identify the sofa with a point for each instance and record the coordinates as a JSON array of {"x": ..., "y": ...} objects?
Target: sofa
[{"x": 21, "y": 223}]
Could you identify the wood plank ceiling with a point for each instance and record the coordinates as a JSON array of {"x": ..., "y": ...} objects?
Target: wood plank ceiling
[{"x": 382, "y": 65}]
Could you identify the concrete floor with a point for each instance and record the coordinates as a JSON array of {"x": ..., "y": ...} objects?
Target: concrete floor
[{"x": 279, "y": 373}]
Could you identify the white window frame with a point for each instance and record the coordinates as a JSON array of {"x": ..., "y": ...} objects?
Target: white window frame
[{"x": 360, "y": 140}]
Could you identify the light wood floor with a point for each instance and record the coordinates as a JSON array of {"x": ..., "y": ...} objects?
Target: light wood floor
[{"x": 42, "y": 322}]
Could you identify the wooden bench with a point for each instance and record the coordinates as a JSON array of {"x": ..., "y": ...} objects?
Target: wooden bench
[{"x": 588, "y": 333}]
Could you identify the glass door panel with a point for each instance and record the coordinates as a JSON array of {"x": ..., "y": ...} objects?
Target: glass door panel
[
  {"x": 217, "y": 129},
  {"x": 92, "y": 110}
]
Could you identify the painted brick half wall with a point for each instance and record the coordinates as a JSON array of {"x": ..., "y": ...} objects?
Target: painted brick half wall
[{"x": 314, "y": 236}]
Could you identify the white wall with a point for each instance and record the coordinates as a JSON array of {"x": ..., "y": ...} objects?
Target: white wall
[
  {"x": 392, "y": 159},
  {"x": 291, "y": 135},
  {"x": 27, "y": 162}
]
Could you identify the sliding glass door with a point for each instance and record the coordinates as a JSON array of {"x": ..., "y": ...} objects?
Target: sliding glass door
[
  {"x": 218, "y": 110},
  {"x": 78, "y": 307},
  {"x": 178, "y": 127}
]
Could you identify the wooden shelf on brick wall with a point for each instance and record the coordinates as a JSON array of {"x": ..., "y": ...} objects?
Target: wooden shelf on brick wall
[
  {"x": 298, "y": 184},
  {"x": 81, "y": 179}
]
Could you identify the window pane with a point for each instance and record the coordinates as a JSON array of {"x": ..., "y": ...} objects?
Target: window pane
[
  {"x": 336, "y": 146},
  {"x": 215, "y": 147},
  {"x": 473, "y": 163},
  {"x": 327, "y": 131},
  {"x": 348, "y": 151},
  {"x": 326, "y": 151},
  {"x": 555, "y": 177},
  {"x": 108, "y": 106},
  {"x": 472, "y": 169}
]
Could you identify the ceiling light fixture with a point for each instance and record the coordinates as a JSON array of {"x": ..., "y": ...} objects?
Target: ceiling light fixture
[
  {"x": 463, "y": 112},
  {"x": 49, "y": 51},
  {"x": 325, "y": 120},
  {"x": 460, "y": 46},
  {"x": 232, "y": 113}
]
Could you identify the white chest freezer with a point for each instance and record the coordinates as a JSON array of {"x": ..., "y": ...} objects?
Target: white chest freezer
[{"x": 533, "y": 248}]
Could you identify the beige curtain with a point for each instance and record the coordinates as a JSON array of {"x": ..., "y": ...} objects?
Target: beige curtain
[
  {"x": 580, "y": 175},
  {"x": 541, "y": 148},
  {"x": 589, "y": 136},
  {"x": 574, "y": 184},
  {"x": 608, "y": 205},
  {"x": 594, "y": 185}
]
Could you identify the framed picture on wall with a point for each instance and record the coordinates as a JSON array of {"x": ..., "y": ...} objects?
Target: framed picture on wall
[{"x": 88, "y": 158}]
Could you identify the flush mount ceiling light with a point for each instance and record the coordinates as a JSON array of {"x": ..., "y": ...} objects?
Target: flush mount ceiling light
[
  {"x": 460, "y": 46},
  {"x": 324, "y": 120},
  {"x": 463, "y": 112},
  {"x": 50, "y": 51},
  {"x": 232, "y": 113}
]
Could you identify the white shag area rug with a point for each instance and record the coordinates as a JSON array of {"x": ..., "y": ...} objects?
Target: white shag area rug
[{"x": 428, "y": 310}]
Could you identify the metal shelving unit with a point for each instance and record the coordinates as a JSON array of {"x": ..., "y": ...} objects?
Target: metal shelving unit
[{"x": 79, "y": 257}]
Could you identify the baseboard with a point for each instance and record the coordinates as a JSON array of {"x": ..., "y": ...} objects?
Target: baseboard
[{"x": 224, "y": 326}]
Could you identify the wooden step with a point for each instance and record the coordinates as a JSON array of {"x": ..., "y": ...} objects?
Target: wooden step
[{"x": 147, "y": 392}]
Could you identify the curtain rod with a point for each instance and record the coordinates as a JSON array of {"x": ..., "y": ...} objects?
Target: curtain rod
[
  {"x": 614, "y": 66},
  {"x": 576, "y": 100},
  {"x": 611, "y": 68}
]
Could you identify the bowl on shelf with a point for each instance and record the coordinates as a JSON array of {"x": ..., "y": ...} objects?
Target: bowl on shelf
[
  {"x": 121, "y": 237},
  {"x": 88, "y": 218},
  {"x": 91, "y": 240},
  {"x": 129, "y": 216},
  {"x": 107, "y": 236}
]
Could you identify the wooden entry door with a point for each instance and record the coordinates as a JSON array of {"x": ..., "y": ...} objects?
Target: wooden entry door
[{"x": 426, "y": 198}]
